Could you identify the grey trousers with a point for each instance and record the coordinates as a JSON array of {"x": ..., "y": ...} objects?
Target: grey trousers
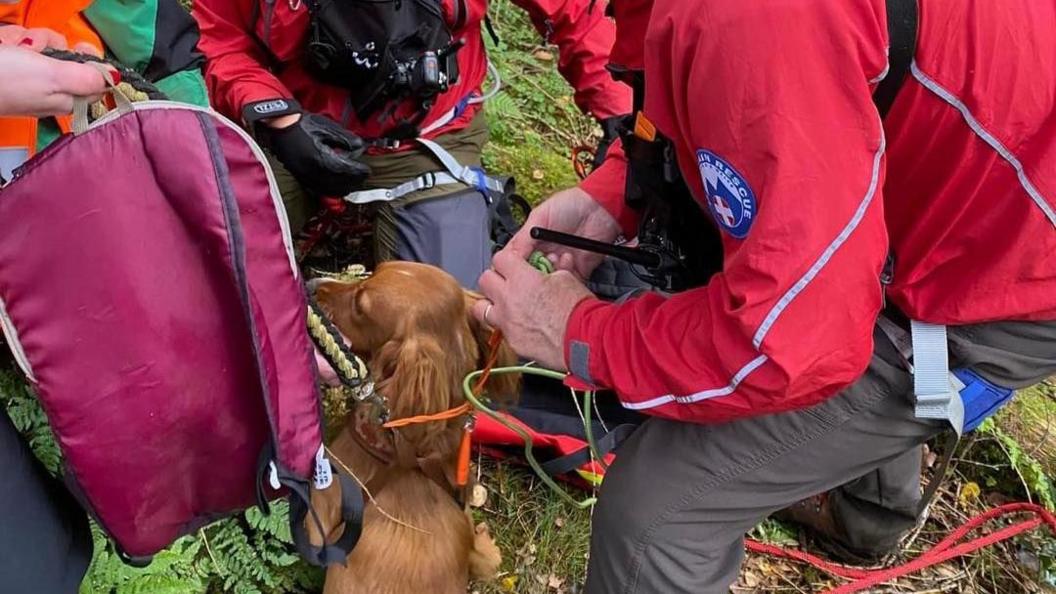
[
  {"x": 675, "y": 505},
  {"x": 452, "y": 232}
]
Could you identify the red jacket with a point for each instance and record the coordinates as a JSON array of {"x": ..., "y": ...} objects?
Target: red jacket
[
  {"x": 238, "y": 53},
  {"x": 781, "y": 143}
]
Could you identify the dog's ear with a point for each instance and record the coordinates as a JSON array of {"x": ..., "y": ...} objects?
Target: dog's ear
[
  {"x": 500, "y": 388},
  {"x": 416, "y": 376}
]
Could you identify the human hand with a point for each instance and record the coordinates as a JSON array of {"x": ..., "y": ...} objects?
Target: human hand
[
  {"x": 45, "y": 86},
  {"x": 282, "y": 122},
  {"x": 318, "y": 151},
  {"x": 570, "y": 211},
  {"x": 529, "y": 307},
  {"x": 39, "y": 39}
]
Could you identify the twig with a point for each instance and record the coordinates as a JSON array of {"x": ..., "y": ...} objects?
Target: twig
[
  {"x": 370, "y": 496},
  {"x": 205, "y": 540},
  {"x": 1044, "y": 436},
  {"x": 979, "y": 464}
]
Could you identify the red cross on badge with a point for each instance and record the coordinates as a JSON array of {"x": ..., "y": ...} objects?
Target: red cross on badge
[{"x": 723, "y": 209}]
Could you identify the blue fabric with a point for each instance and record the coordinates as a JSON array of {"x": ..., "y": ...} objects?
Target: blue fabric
[
  {"x": 982, "y": 399},
  {"x": 482, "y": 182}
]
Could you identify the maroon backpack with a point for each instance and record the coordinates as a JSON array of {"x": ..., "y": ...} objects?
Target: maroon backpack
[{"x": 148, "y": 290}]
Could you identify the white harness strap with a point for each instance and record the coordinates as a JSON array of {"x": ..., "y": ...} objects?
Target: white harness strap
[
  {"x": 937, "y": 397},
  {"x": 456, "y": 172},
  {"x": 422, "y": 182},
  {"x": 936, "y": 389}
]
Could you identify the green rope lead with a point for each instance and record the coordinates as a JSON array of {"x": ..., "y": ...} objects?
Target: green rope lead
[
  {"x": 541, "y": 263},
  {"x": 588, "y": 429},
  {"x": 528, "y": 454},
  {"x": 544, "y": 265}
]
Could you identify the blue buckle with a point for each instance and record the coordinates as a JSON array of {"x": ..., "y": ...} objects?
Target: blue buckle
[{"x": 481, "y": 182}]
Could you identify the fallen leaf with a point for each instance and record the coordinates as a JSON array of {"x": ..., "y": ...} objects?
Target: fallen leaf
[
  {"x": 969, "y": 492},
  {"x": 541, "y": 579},
  {"x": 538, "y": 174},
  {"x": 509, "y": 583},
  {"x": 543, "y": 55},
  {"x": 554, "y": 582},
  {"x": 478, "y": 496}
]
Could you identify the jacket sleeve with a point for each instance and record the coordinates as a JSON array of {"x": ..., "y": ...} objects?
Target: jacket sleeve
[
  {"x": 584, "y": 37},
  {"x": 791, "y": 150},
  {"x": 158, "y": 38},
  {"x": 235, "y": 71}
]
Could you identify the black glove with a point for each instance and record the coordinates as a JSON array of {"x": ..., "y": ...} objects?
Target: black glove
[
  {"x": 610, "y": 131},
  {"x": 321, "y": 154}
]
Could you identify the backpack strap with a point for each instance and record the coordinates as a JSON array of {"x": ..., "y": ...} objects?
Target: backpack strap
[
  {"x": 903, "y": 17},
  {"x": 351, "y": 515},
  {"x": 606, "y": 445}
]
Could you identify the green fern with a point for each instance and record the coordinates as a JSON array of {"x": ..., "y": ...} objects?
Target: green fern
[{"x": 1034, "y": 478}]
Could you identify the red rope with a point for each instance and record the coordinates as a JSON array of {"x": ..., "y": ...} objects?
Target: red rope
[{"x": 945, "y": 550}]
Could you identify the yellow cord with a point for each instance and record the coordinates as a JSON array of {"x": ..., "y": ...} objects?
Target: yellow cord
[{"x": 350, "y": 369}]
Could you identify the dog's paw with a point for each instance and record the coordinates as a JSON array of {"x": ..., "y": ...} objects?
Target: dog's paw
[{"x": 485, "y": 558}]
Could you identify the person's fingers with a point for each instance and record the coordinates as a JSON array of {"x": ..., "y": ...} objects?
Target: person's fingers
[
  {"x": 55, "y": 40},
  {"x": 38, "y": 39},
  {"x": 510, "y": 266},
  {"x": 565, "y": 261},
  {"x": 11, "y": 34},
  {"x": 78, "y": 80},
  {"x": 491, "y": 285},
  {"x": 522, "y": 244},
  {"x": 485, "y": 312},
  {"x": 87, "y": 48}
]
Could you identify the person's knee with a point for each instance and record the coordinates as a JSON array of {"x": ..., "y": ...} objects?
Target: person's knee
[{"x": 451, "y": 233}]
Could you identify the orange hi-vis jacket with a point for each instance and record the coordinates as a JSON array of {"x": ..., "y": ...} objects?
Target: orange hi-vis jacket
[{"x": 18, "y": 135}]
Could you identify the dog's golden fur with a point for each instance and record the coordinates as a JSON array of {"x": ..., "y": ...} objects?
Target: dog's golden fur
[{"x": 412, "y": 323}]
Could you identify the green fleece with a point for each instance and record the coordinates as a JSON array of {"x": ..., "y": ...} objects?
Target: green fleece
[{"x": 156, "y": 38}]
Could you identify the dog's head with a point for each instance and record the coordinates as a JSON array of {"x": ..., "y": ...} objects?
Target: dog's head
[{"x": 412, "y": 324}]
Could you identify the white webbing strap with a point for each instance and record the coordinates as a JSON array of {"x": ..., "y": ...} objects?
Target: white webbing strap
[
  {"x": 457, "y": 173},
  {"x": 936, "y": 389},
  {"x": 937, "y": 397},
  {"x": 470, "y": 176},
  {"x": 422, "y": 182}
]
